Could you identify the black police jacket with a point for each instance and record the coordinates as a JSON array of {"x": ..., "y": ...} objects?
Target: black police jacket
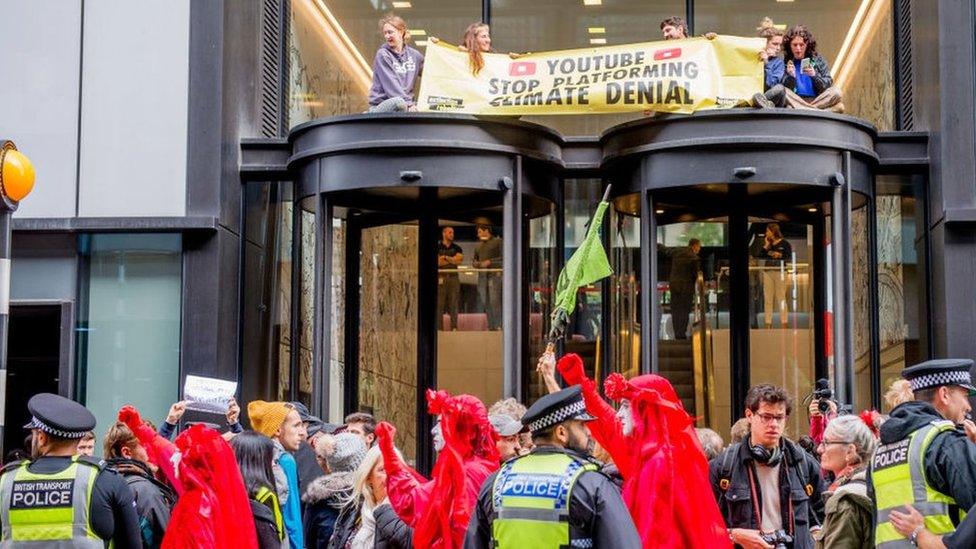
[{"x": 800, "y": 485}]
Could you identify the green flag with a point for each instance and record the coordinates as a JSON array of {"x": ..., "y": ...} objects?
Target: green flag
[{"x": 587, "y": 265}]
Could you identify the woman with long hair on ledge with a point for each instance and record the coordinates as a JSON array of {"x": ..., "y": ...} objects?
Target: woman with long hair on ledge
[{"x": 396, "y": 69}]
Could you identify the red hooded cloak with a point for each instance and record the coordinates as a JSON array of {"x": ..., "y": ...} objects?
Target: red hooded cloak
[
  {"x": 439, "y": 509},
  {"x": 666, "y": 483},
  {"x": 214, "y": 510}
]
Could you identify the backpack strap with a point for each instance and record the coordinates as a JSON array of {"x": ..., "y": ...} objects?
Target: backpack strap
[{"x": 725, "y": 472}]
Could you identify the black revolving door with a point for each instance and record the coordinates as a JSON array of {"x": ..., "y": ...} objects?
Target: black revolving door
[
  {"x": 745, "y": 248},
  {"x": 436, "y": 234}
]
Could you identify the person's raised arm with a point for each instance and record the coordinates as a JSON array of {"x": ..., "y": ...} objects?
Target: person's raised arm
[
  {"x": 408, "y": 491},
  {"x": 546, "y": 367},
  {"x": 605, "y": 428}
]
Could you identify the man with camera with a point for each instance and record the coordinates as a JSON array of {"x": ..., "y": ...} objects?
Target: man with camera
[
  {"x": 822, "y": 410},
  {"x": 767, "y": 487}
]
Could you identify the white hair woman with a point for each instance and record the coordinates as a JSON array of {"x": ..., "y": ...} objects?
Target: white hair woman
[
  {"x": 845, "y": 451},
  {"x": 367, "y": 520}
]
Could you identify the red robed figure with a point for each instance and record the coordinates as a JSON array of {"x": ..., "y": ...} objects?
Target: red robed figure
[
  {"x": 214, "y": 510},
  {"x": 666, "y": 486},
  {"x": 440, "y": 509}
]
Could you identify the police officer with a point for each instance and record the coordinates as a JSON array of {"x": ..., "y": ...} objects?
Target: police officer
[
  {"x": 553, "y": 497},
  {"x": 59, "y": 498},
  {"x": 924, "y": 459}
]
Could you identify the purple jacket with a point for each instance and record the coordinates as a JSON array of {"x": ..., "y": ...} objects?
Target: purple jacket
[{"x": 395, "y": 74}]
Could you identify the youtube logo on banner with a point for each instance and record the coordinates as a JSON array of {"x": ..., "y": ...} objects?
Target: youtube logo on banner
[
  {"x": 669, "y": 53},
  {"x": 521, "y": 68}
]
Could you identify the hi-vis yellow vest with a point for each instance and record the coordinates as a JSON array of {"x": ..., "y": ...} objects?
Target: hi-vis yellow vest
[
  {"x": 898, "y": 479},
  {"x": 531, "y": 498},
  {"x": 269, "y": 498},
  {"x": 48, "y": 510}
]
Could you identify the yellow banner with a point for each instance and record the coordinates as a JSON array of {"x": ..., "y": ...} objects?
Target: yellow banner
[{"x": 670, "y": 76}]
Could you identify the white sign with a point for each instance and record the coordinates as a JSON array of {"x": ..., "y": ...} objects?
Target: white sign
[{"x": 206, "y": 394}]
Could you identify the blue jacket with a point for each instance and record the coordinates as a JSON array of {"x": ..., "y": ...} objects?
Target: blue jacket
[
  {"x": 292, "y": 509},
  {"x": 774, "y": 70}
]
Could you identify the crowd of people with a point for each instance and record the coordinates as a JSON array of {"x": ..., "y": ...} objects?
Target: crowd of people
[
  {"x": 798, "y": 77},
  {"x": 571, "y": 470}
]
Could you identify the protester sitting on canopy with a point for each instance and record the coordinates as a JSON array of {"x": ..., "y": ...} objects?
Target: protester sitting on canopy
[
  {"x": 439, "y": 509},
  {"x": 653, "y": 443},
  {"x": 807, "y": 79},
  {"x": 396, "y": 69},
  {"x": 209, "y": 512}
]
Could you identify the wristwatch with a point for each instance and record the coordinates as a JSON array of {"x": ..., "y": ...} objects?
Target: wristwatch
[{"x": 913, "y": 539}]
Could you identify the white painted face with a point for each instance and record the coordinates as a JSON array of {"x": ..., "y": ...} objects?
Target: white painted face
[
  {"x": 626, "y": 417},
  {"x": 438, "y": 435}
]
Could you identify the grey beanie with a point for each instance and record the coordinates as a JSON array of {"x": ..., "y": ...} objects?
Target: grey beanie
[{"x": 350, "y": 450}]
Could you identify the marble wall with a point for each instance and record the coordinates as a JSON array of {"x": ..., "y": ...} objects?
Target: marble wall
[
  {"x": 388, "y": 329},
  {"x": 869, "y": 94}
]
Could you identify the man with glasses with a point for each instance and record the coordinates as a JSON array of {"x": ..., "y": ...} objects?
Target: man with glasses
[{"x": 767, "y": 487}]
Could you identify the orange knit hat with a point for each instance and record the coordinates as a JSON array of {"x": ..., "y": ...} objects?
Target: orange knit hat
[{"x": 267, "y": 417}]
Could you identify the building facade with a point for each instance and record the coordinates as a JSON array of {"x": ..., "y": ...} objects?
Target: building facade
[{"x": 209, "y": 202}]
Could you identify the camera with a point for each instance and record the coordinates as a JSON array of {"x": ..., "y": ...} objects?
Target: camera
[
  {"x": 778, "y": 539},
  {"x": 823, "y": 394}
]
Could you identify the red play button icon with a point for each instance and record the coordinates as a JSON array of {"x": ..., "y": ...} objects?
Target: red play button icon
[{"x": 521, "y": 68}]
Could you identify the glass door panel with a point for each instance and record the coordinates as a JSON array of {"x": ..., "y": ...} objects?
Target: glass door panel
[
  {"x": 693, "y": 332},
  {"x": 388, "y": 329},
  {"x": 782, "y": 320},
  {"x": 469, "y": 309}
]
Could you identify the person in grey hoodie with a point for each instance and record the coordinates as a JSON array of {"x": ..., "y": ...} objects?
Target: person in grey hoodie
[{"x": 396, "y": 69}]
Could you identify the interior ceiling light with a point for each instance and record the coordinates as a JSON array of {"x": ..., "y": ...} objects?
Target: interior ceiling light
[
  {"x": 859, "y": 37},
  {"x": 596, "y": 30},
  {"x": 402, "y": 5},
  {"x": 421, "y": 43},
  {"x": 418, "y": 32},
  {"x": 812, "y": 210},
  {"x": 349, "y": 58},
  {"x": 659, "y": 212},
  {"x": 598, "y": 40},
  {"x": 592, "y": 2}
]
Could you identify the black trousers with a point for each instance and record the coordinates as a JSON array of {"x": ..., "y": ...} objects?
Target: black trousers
[
  {"x": 681, "y": 303},
  {"x": 448, "y": 297}
]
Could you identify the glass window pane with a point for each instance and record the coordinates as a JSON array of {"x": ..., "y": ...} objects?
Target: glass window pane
[
  {"x": 132, "y": 297},
  {"x": 542, "y": 275},
  {"x": 337, "y": 367},
  {"x": 543, "y": 25},
  {"x": 332, "y": 44},
  {"x": 266, "y": 351},
  {"x": 858, "y": 50},
  {"x": 388, "y": 329},
  {"x": 469, "y": 309},
  {"x": 625, "y": 311},
  {"x": 861, "y": 309},
  {"x": 901, "y": 277},
  {"x": 306, "y": 311},
  {"x": 781, "y": 338},
  {"x": 694, "y": 337},
  {"x": 583, "y": 335}
]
